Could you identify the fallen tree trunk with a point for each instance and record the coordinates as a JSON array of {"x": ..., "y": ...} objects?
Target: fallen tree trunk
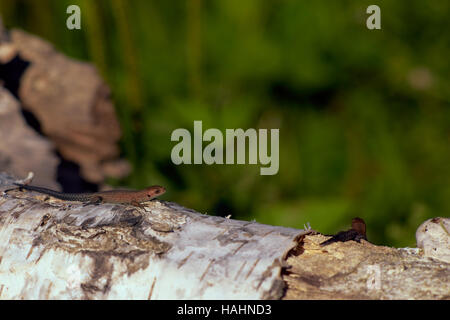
[{"x": 52, "y": 249}]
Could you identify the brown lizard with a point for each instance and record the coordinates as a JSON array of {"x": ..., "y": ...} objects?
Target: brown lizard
[
  {"x": 114, "y": 196},
  {"x": 357, "y": 232}
]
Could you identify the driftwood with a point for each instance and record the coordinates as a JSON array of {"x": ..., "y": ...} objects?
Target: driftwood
[
  {"x": 19, "y": 143},
  {"x": 52, "y": 249},
  {"x": 69, "y": 103}
]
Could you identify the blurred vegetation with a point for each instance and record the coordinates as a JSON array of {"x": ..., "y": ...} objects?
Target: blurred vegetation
[{"x": 364, "y": 115}]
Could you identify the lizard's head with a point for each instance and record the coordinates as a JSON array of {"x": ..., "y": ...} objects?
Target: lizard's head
[
  {"x": 359, "y": 225},
  {"x": 154, "y": 191}
]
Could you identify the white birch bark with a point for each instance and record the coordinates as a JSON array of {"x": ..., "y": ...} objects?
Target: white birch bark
[{"x": 52, "y": 249}]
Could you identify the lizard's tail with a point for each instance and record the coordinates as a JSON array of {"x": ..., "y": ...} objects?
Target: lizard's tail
[
  {"x": 50, "y": 192},
  {"x": 56, "y": 194}
]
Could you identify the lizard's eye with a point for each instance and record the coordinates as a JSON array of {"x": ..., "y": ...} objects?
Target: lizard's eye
[{"x": 151, "y": 195}]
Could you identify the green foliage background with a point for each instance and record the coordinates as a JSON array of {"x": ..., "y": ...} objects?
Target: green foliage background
[{"x": 364, "y": 115}]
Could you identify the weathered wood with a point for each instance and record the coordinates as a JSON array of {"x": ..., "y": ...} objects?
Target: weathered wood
[
  {"x": 352, "y": 270},
  {"x": 19, "y": 143},
  {"x": 69, "y": 102}
]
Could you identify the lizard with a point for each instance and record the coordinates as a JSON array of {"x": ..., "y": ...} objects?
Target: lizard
[
  {"x": 113, "y": 196},
  {"x": 357, "y": 232}
]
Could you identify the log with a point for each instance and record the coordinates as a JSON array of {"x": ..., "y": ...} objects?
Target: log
[{"x": 53, "y": 249}]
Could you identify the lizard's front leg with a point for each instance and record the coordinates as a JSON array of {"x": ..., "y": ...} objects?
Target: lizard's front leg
[
  {"x": 137, "y": 204},
  {"x": 95, "y": 200},
  {"x": 360, "y": 237}
]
